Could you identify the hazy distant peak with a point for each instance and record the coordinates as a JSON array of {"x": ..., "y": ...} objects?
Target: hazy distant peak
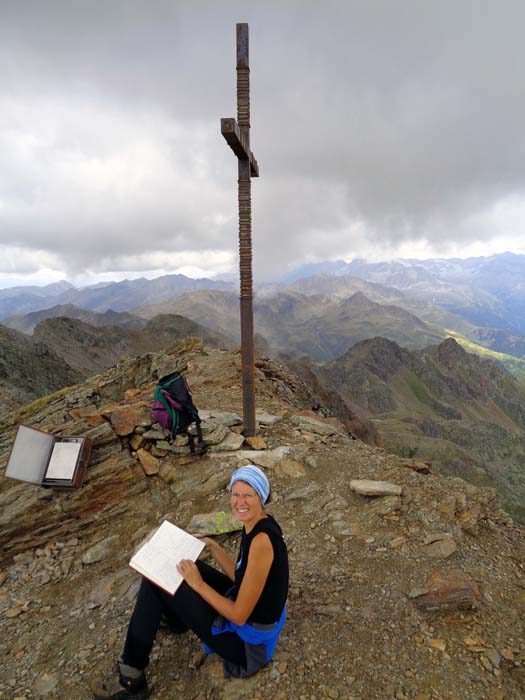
[
  {"x": 360, "y": 299},
  {"x": 310, "y": 269}
]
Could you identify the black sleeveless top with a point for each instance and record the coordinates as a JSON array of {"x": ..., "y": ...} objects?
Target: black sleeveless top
[{"x": 273, "y": 597}]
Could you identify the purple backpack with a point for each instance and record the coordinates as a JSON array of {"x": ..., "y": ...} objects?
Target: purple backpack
[{"x": 173, "y": 407}]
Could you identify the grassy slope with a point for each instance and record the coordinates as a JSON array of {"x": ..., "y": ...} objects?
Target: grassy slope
[
  {"x": 514, "y": 365},
  {"x": 485, "y": 447}
]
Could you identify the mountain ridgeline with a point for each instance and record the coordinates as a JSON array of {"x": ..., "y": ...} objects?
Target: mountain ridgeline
[
  {"x": 119, "y": 296},
  {"x": 489, "y": 292},
  {"x": 314, "y": 325},
  {"x": 481, "y": 300},
  {"x": 29, "y": 369},
  {"x": 463, "y": 413},
  {"x": 64, "y": 351}
]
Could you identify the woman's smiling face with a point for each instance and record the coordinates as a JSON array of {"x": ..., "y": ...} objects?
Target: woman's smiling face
[{"x": 245, "y": 502}]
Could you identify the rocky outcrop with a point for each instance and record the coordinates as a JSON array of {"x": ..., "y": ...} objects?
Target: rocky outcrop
[
  {"x": 365, "y": 592},
  {"x": 329, "y": 396},
  {"x": 29, "y": 369},
  {"x": 92, "y": 349}
]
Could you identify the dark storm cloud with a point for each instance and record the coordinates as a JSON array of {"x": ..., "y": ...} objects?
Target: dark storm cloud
[{"x": 375, "y": 125}]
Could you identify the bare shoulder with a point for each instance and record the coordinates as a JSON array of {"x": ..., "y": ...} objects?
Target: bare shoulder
[
  {"x": 261, "y": 542},
  {"x": 261, "y": 549}
]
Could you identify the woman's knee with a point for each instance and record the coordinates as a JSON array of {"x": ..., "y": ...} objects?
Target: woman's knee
[{"x": 151, "y": 596}]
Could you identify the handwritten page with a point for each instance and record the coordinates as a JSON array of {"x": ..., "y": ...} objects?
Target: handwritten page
[
  {"x": 157, "y": 560},
  {"x": 63, "y": 460}
]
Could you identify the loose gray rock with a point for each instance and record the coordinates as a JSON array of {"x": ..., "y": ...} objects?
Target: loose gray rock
[
  {"x": 290, "y": 468},
  {"x": 226, "y": 418},
  {"x": 386, "y": 505},
  {"x": 314, "y": 426},
  {"x": 441, "y": 547},
  {"x": 267, "y": 418},
  {"x": 365, "y": 487},
  {"x": 99, "y": 551},
  {"x": 217, "y": 523},
  {"x": 153, "y": 435},
  {"x": 212, "y": 433},
  {"x": 46, "y": 684},
  {"x": 304, "y": 492},
  {"x": 231, "y": 441},
  {"x": 268, "y": 459}
]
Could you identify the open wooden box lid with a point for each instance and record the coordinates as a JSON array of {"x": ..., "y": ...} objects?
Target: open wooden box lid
[
  {"x": 56, "y": 461},
  {"x": 30, "y": 455}
]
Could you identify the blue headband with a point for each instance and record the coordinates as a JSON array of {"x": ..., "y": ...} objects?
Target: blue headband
[{"x": 255, "y": 477}]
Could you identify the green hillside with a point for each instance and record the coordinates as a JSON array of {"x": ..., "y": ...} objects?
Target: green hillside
[{"x": 514, "y": 365}]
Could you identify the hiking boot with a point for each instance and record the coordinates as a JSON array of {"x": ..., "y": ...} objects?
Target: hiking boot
[{"x": 119, "y": 687}]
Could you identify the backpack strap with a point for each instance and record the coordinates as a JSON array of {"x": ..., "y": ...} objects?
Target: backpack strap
[
  {"x": 191, "y": 439},
  {"x": 199, "y": 431},
  {"x": 162, "y": 396}
]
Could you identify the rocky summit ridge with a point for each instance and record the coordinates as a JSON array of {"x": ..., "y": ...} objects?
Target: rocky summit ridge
[
  {"x": 414, "y": 593},
  {"x": 29, "y": 369}
]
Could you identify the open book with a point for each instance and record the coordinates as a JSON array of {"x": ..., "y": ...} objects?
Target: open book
[{"x": 157, "y": 560}]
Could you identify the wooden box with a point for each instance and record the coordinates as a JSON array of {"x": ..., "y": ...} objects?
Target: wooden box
[{"x": 54, "y": 461}]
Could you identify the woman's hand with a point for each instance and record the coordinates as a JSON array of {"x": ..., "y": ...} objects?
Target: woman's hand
[
  {"x": 207, "y": 541},
  {"x": 223, "y": 559},
  {"x": 190, "y": 573}
]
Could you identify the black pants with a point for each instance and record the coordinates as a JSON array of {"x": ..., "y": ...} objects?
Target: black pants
[{"x": 186, "y": 609}]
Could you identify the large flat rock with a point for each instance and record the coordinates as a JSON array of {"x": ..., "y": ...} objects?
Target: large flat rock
[
  {"x": 231, "y": 441},
  {"x": 217, "y": 523},
  {"x": 268, "y": 459},
  {"x": 313, "y": 425},
  {"x": 366, "y": 487}
]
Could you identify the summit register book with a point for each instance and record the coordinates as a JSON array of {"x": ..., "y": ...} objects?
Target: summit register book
[{"x": 55, "y": 461}]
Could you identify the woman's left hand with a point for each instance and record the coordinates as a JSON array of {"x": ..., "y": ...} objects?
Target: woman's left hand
[{"x": 190, "y": 573}]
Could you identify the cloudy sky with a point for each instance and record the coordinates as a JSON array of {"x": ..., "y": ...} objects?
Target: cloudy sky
[{"x": 388, "y": 128}]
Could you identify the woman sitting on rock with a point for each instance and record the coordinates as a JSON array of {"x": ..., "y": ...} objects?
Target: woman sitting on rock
[{"x": 238, "y": 615}]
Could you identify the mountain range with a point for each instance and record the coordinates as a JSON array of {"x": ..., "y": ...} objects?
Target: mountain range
[
  {"x": 343, "y": 285},
  {"x": 316, "y": 325},
  {"x": 488, "y": 291},
  {"x": 29, "y": 369},
  {"x": 483, "y": 299},
  {"x": 92, "y": 349},
  {"x": 382, "y": 347},
  {"x": 118, "y": 296}
]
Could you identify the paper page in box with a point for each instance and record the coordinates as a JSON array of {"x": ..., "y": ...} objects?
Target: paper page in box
[
  {"x": 157, "y": 560},
  {"x": 63, "y": 460}
]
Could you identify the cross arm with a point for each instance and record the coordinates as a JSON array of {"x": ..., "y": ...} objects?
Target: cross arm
[{"x": 231, "y": 132}]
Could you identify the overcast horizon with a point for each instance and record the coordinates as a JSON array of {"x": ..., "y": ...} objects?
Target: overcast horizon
[
  {"x": 229, "y": 277},
  {"x": 383, "y": 130}
]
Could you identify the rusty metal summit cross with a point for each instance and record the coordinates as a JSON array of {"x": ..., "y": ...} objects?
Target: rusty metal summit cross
[{"x": 237, "y": 134}]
